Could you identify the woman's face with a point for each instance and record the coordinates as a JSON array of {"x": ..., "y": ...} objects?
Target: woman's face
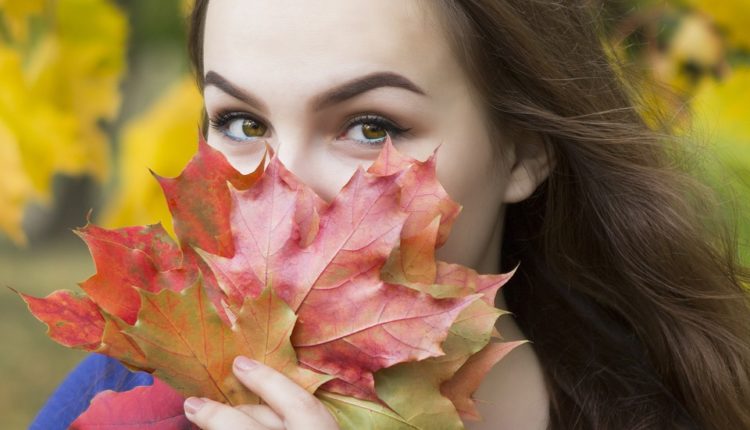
[{"x": 323, "y": 81}]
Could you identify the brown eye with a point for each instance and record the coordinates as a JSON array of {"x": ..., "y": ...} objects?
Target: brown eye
[
  {"x": 373, "y": 131},
  {"x": 249, "y": 127},
  {"x": 241, "y": 128}
]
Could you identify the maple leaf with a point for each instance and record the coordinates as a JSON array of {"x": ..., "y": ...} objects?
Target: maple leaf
[
  {"x": 353, "y": 413},
  {"x": 335, "y": 295},
  {"x": 192, "y": 349},
  {"x": 73, "y": 320},
  {"x": 440, "y": 381},
  {"x": 204, "y": 222},
  {"x": 155, "y": 406},
  {"x": 147, "y": 259},
  {"x": 467, "y": 378}
]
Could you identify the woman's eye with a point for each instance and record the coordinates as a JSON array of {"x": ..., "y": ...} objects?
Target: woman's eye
[
  {"x": 239, "y": 127},
  {"x": 371, "y": 130}
]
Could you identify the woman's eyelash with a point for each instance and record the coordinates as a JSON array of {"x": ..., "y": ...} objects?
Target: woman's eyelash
[
  {"x": 220, "y": 120},
  {"x": 390, "y": 127},
  {"x": 223, "y": 121}
]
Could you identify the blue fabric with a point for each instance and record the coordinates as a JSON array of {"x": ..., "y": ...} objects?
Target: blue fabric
[{"x": 94, "y": 374}]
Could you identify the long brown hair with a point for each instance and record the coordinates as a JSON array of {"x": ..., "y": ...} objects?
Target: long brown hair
[{"x": 629, "y": 284}]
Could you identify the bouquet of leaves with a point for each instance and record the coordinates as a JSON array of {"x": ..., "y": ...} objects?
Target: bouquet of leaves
[{"x": 345, "y": 298}]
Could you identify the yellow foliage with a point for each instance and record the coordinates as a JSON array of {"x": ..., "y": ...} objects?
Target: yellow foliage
[
  {"x": 53, "y": 95},
  {"x": 732, "y": 16},
  {"x": 721, "y": 109},
  {"x": 15, "y": 186},
  {"x": 17, "y": 14},
  {"x": 186, "y": 6},
  {"x": 161, "y": 139},
  {"x": 676, "y": 67},
  {"x": 697, "y": 44},
  {"x": 79, "y": 71},
  {"x": 721, "y": 115},
  {"x": 45, "y": 136}
]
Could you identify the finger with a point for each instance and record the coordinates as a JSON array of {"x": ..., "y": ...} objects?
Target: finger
[
  {"x": 264, "y": 415},
  {"x": 297, "y": 408},
  {"x": 210, "y": 415}
]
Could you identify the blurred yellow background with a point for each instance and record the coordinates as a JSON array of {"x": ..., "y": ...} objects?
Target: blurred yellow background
[{"x": 93, "y": 93}]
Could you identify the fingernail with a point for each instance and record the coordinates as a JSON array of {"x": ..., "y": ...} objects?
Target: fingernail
[
  {"x": 193, "y": 405},
  {"x": 244, "y": 364}
]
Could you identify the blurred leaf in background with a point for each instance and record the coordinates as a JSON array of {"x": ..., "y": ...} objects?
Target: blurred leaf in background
[
  {"x": 691, "y": 60},
  {"x": 722, "y": 116},
  {"x": 186, "y": 6},
  {"x": 60, "y": 70},
  {"x": 17, "y": 14},
  {"x": 15, "y": 188},
  {"x": 731, "y": 16}
]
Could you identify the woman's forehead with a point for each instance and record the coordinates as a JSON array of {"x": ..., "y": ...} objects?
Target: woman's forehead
[{"x": 326, "y": 39}]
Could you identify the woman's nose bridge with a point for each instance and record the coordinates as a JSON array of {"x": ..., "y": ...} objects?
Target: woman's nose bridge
[
  {"x": 290, "y": 153},
  {"x": 305, "y": 162},
  {"x": 297, "y": 157}
]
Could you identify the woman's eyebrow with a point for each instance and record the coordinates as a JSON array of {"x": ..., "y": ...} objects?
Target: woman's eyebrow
[
  {"x": 220, "y": 82},
  {"x": 360, "y": 85},
  {"x": 335, "y": 95}
]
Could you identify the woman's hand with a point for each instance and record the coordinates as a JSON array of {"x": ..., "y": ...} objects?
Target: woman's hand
[{"x": 288, "y": 406}]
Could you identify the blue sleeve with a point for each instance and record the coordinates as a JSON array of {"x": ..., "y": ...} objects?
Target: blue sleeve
[{"x": 94, "y": 374}]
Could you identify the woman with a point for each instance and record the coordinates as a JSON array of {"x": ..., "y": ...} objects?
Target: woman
[{"x": 630, "y": 293}]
